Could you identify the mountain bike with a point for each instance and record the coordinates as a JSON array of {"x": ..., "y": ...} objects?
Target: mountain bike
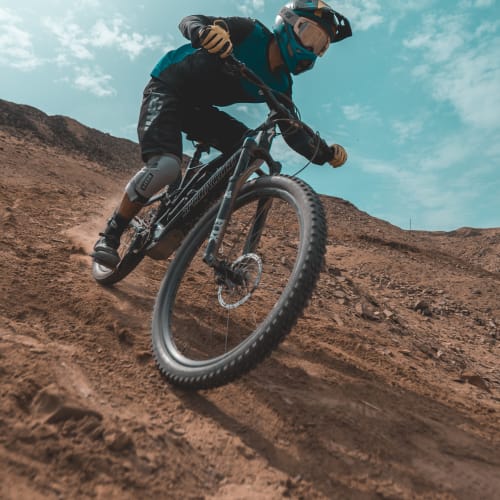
[{"x": 249, "y": 246}]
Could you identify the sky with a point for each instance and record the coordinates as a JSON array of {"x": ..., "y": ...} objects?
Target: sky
[{"x": 414, "y": 95}]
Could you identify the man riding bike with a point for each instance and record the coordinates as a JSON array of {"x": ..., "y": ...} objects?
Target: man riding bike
[{"x": 188, "y": 83}]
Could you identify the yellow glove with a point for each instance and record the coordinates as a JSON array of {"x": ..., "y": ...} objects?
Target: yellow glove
[
  {"x": 339, "y": 156},
  {"x": 215, "y": 39}
]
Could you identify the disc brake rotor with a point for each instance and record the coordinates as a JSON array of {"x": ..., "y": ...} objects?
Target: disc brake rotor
[{"x": 248, "y": 268}]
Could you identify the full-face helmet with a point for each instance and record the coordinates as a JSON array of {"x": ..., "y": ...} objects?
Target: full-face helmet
[{"x": 304, "y": 30}]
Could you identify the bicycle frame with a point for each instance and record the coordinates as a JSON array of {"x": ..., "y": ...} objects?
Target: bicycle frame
[
  {"x": 235, "y": 170},
  {"x": 195, "y": 187}
]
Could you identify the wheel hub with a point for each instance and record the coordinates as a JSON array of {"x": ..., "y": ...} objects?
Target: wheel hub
[{"x": 240, "y": 281}]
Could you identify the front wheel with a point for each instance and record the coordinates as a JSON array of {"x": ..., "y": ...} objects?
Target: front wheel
[{"x": 210, "y": 327}]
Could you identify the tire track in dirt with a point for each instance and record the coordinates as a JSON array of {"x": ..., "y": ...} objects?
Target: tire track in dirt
[{"x": 366, "y": 398}]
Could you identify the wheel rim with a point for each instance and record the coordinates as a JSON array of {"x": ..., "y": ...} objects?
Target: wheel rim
[
  {"x": 126, "y": 242},
  {"x": 131, "y": 239},
  {"x": 208, "y": 320}
]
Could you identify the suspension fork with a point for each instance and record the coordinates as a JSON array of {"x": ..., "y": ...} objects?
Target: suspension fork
[
  {"x": 259, "y": 221},
  {"x": 240, "y": 175}
]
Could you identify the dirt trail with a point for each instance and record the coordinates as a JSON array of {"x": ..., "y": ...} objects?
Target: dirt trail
[{"x": 389, "y": 386}]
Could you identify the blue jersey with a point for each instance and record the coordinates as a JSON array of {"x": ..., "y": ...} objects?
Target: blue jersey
[
  {"x": 196, "y": 75},
  {"x": 192, "y": 76}
]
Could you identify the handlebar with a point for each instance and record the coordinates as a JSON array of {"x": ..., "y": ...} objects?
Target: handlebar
[
  {"x": 276, "y": 107},
  {"x": 252, "y": 77}
]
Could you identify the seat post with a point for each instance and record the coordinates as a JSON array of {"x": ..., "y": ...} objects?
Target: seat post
[{"x": 200, "y": 148}]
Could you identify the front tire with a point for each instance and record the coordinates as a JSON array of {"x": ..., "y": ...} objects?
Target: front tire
[{"x": 208, "y": 330}]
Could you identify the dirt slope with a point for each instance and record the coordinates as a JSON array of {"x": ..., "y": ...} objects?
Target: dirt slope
[{"x": 389, "y": 387}]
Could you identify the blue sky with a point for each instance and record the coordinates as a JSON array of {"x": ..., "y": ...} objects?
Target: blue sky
[{"x": 414, "y": 95}]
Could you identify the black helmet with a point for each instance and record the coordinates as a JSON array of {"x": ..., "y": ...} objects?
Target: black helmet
[{"x": 300, "y": 40}]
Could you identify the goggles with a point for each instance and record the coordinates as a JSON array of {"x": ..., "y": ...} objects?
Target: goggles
[{"x": 311, "y": 36}]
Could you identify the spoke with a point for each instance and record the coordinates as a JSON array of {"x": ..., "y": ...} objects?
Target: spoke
[
  {"x": 227, "y": 331},
  {"x": 209, "y": 320}
]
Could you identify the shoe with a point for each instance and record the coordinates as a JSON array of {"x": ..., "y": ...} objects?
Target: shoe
[{"x": 105, "y": 251}]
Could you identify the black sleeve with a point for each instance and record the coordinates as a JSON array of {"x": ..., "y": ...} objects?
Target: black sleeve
[
  {"x": 305, "y": 142},
  {"x": 239, "y": 27}
]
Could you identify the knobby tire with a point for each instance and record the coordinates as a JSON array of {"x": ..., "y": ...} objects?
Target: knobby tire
[
  {"x": 192, "y": 322},
  {"x": 130, "y": 256}
]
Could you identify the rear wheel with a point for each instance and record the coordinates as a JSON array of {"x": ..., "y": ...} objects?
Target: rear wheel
[
  {"x": 131, "y": 250},
  {"x": 211, "y": 327}
]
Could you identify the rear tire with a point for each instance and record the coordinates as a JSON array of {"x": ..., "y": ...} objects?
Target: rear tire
[
  {"x": 206, "y": 331},
  {"x": 108, "y": 277},
  {"x": 131, "y": 250}
]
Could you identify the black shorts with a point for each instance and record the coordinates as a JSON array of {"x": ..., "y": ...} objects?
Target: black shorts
[{"x": 164, "y": 117}]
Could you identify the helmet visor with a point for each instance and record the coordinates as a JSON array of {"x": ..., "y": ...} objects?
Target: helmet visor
[
  {"x": 309, "y": 5},
  {"x": 311, "y": 36}
]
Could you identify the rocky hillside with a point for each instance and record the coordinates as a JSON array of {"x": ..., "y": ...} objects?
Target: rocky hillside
[
  {"x": 28, "y": 123},
  {"x": 388, "y": 387}
]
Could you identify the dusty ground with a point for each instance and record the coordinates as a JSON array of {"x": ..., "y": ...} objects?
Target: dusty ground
[{"x": 389, "y": 387}]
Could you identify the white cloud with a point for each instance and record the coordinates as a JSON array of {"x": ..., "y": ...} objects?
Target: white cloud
[
  {"x": 249, "y": 7},
  {"x": 84, "y": 4},
  {"x": 476, "y": 3},
  {"x": 80, "y": 43},
  {"x": 71, "y": 37},
  {"x": 367, "y": 14},
  {"x": 356, "y": 112},
  {"x": 451, "y": 151},
  {"x": 283, "y": 153},
  {"x": 440, "y": 37},
  {"x": 362, "y": 14},
  {"x": 94, "y": 81},
  {"x": 431, "y": 200},
  {"x": 8, "y": 17},
  {"x": 406, "y": 130},
  {"x": 486, "y": 28},
  {"x": 77, "y": 44},
  {"x": 73, "y": 44},
  {"x": 115, "y": 35},
  {"x": 442, "y": 183},
  {"x": 461, "y": 66},
  {"x": 250, "y": 114},
  {"x": 472, "y": 85},
  {"x": 16, "y": 46}
]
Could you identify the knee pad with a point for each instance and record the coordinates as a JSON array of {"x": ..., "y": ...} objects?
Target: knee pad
[{"x": 159, "y": 171}]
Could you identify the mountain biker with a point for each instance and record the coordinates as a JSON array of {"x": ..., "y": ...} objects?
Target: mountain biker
[{"x": 188, "y": 83}]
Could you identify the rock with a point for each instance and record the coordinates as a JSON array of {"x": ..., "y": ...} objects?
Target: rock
[
  {"x": 334, "y": 271},
  {"x": 423, "y": 307},
  {"x": 475, "y": 380},
  {"x": 338, "y": 320},
  {"x": 388, "y": 314},
  {"x": 118, "y": 441},
  {"x": 367, "y": 311},
  {"x": 53, "y": 406}
]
